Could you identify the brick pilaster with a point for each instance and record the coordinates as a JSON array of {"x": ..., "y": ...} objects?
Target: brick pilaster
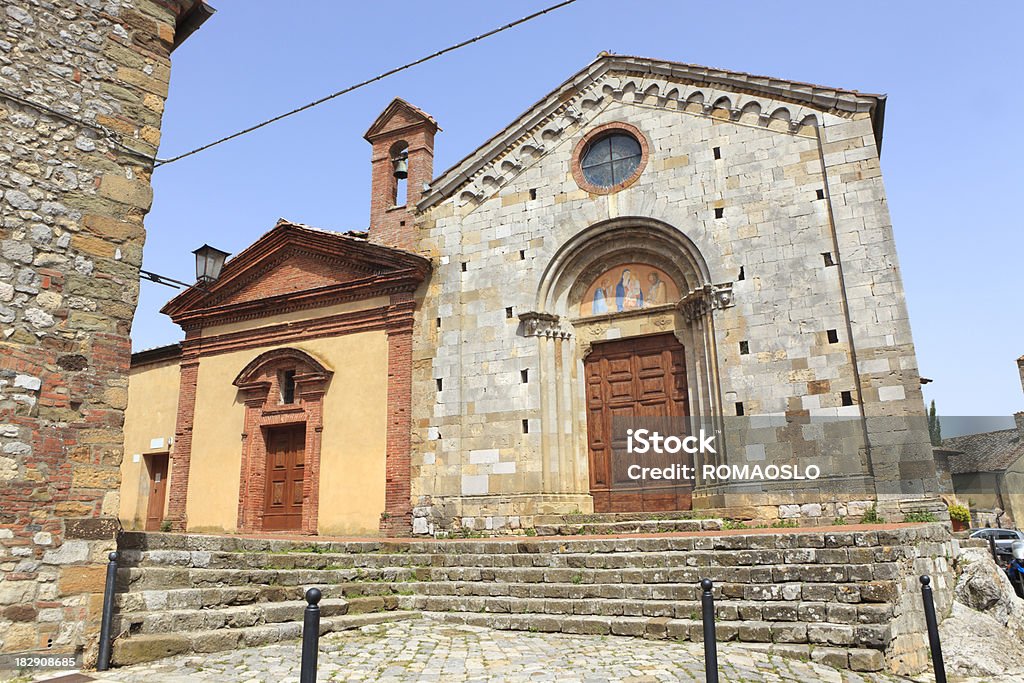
[
  {"x": 182, "y": 452},
  {"x": 397, "y": 517}
]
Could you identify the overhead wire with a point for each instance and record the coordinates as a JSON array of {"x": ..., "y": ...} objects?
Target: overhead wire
[{"x": 452, "y": 48}]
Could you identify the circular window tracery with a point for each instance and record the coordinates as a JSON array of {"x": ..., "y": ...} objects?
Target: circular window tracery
[{"x": 609, "y": 158}]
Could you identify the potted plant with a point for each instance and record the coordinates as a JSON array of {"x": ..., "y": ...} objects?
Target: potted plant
[{"x": 960, "y": 516}]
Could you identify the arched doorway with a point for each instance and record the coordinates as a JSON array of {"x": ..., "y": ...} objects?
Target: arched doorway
[
  {"x": 624, "y": 326},
  {"x": 283, "y": 393}
]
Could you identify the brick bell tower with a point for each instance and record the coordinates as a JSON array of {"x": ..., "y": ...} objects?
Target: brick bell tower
[{"x": 402, "y": 162}]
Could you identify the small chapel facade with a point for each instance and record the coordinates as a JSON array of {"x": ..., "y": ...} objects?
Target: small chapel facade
[{"x": 651, "y": 240}]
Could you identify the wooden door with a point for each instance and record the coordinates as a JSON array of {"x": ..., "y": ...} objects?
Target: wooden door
[
  {"x": 157, "y": 466},
  {"x": 640, "y": 377},
  {"x": 286, "y": 449}
]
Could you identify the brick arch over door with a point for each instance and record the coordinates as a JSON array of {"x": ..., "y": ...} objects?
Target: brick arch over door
[{"x": 267, "y": 410}]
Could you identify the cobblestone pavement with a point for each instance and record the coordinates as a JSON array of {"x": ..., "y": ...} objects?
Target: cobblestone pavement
[{"x": 425, "y": 650}]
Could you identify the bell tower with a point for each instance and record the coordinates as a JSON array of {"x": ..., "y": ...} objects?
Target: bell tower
[{"x": 402, "y": 162}]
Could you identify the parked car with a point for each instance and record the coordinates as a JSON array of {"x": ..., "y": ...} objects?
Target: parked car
[{"x": 1004, "y": 538}]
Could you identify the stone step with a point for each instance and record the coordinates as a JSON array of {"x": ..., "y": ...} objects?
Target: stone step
[
  {"x": 141, "y": 648},
  {"x": 809, "y": 602},
  {"x": 240, "y": 616},
  {"x": 217, "y": 559},
  {"x": 832, "y": 537},
  {"x": 868, "y": 636},
  {"x": 561, "y": 557},
  {"x": 844, "y": 583},
  {"x": 878, "y": 578},
  {"x": 209, "y": 598},
  {"x": 639, "y": 526},
  {"x": 165, "y": 577},
  {"x": 608, "y": 517},
  {"x": 783, "y": 612}
]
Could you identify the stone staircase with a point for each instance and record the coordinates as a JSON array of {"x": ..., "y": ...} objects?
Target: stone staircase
[
  {"x": 178, "y": 594},
  {"x": 844, "y": 597}
]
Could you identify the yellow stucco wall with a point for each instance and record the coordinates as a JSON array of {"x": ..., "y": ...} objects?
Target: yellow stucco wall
[
  {"x": 353, "y": 440},
  {"x": 150, "y": 416}
]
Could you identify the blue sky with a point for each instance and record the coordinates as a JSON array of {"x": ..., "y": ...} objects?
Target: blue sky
[{"x": 950, "y": 158}]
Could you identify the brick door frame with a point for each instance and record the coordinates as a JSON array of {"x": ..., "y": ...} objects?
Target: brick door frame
[{"x": 260, "y": 392}]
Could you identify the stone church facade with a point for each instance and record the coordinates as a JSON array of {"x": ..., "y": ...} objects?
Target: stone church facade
[{"x": 651, "y": 239}]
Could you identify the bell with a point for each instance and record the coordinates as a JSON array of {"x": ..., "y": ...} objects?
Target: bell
[{"x": 401, "y": 164}]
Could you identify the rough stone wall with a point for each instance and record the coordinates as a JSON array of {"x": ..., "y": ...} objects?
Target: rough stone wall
[
  {"x": 74, "y": 187},
  {"x": 775, "y": 205}
]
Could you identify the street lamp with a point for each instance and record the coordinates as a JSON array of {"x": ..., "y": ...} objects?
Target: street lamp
[{"x": 209, "y": 261}]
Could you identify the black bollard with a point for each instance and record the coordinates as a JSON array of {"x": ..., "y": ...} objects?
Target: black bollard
[
  {"x": 310, "y": 636},
  {"x": 103, "y": 661},
  {"x": 933, "y": 629},
  {"x": 707, "y": 603},
  {"x": 992, "y": 547}
]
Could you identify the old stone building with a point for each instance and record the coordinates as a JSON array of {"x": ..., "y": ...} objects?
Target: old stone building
[
  {"x": 987, "y": 471},
  {"x": 651, "y": 239},
  {"x": 82, "y": 90}
]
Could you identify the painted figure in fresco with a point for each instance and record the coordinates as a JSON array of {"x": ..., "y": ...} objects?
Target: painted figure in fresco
[
  {"x": 657, "y": 293},
  {"x": 600, "y": 304},
  {"x": 628, "y": 294}
]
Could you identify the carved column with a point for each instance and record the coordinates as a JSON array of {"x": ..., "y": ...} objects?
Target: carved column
[{"x": 556, "y": 405}]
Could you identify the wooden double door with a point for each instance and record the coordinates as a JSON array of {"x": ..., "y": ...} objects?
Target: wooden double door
[
  {"x": 286, "y": 470},
  {"x": 642, "y": 377}
]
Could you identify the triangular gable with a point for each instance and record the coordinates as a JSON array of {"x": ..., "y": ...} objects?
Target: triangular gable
[
  {"x": 294, "y": 269},
  {"x": 293, "y": 263},
  {"x": 399, "y": 115},
  {"x": 642, "y": 77}
]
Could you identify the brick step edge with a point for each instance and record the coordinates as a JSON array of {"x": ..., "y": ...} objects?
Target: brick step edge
[
  {"x": 853, "y": 658},
  {"x": 147, "y": 648}
]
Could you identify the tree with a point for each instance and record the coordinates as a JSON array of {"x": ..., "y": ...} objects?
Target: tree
[{"x": 934, "y": 426}]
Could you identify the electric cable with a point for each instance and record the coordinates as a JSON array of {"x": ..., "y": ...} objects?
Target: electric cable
[{"x": 161, "y": 162}]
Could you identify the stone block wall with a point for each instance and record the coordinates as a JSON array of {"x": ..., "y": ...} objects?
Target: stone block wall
[
  {"x": 82, "y": 90},
  {"x": 787, "y": 214}
]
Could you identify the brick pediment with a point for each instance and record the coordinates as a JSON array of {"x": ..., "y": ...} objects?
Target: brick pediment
[
  {"x": 399, "y": 115},
  {"x": 291, "y": 272},
  {"x": 295, "y": 267}
]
